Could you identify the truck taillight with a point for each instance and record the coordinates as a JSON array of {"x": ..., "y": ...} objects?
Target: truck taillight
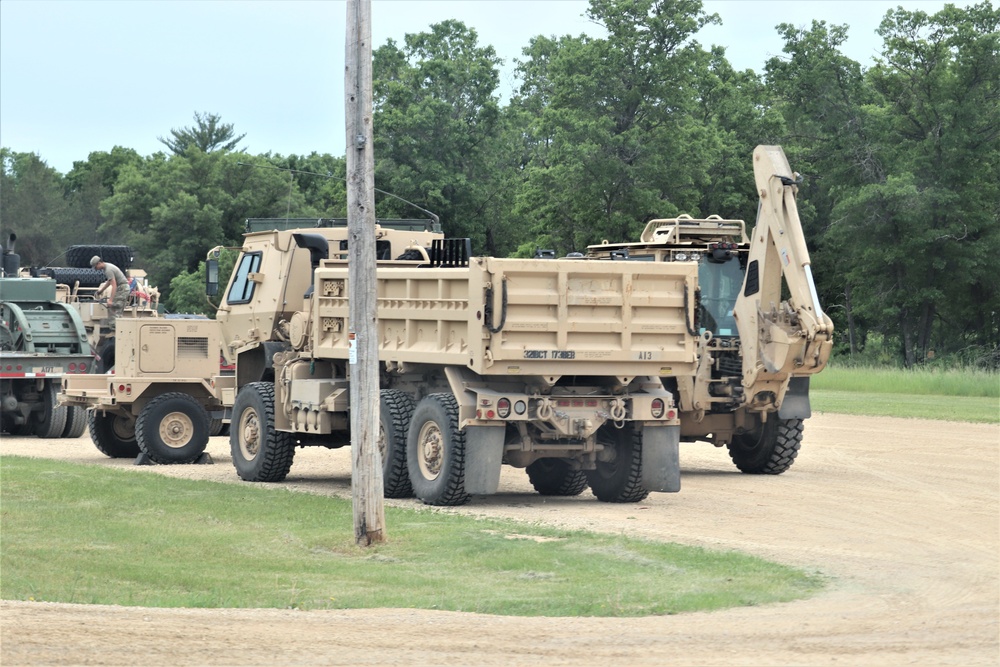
[
  {"x": 657, "y": 408},
  {"x": 503, "y": 408}
]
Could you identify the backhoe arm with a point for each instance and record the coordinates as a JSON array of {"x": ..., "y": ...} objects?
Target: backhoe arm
[{"x": 780, "y": 339}]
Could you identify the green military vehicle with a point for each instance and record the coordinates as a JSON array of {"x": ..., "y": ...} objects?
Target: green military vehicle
[{"x": 42, "y": 339}]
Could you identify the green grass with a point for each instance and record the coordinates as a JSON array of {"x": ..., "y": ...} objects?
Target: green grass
[
  {"x": 953, "y": 395},
  {"x": 882, "y": 380},
  {"x": 75, "y": 533},
  {"x": 948, "y": 408}
]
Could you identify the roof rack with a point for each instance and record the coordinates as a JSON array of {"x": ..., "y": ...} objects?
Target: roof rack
[{"x": 283, "y": 224}]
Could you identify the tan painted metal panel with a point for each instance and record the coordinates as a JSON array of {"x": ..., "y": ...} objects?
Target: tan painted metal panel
[{"x": 562, "y": 316}]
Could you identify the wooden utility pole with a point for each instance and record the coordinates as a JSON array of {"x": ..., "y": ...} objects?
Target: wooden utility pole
[{"x": 366, "y": 471}]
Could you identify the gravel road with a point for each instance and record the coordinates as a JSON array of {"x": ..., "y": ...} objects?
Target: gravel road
[{"x": 902, "y": 516}]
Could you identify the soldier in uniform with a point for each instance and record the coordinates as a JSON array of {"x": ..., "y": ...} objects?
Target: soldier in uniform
[{"x": 119, "y": 285}]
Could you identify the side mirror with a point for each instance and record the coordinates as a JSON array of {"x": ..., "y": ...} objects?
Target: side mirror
[{"x": 211, "y": 277}]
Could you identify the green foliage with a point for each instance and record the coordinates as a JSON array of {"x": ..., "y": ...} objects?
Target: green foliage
[
  {"x": 75, "y": 533},
  {"x": 638, "y": 125},
  {"x": 909, "y": 155},
  {"x": 187, "y": 289},
  {"x": 173, "y": 209},
  {"x": 33, "y": 206},
  {"x": 207, "y": 135},
  {"x": 438, "y": 137}
]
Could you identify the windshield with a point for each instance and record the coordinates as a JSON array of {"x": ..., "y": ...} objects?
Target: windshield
[{"x": 720, "y": 284}]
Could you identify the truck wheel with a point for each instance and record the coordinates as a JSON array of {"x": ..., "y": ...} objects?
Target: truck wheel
[
  {"x": 119, "y": 255},
  {"x": 260, "y": 453},
  {"x": 215, "y": 427},
  {"x": 555, "y": 477},
  {"x": 395, "y": 412},
  {"x": 51, "y": 420},
  {"x": 435, "y": 452},
  {"x": 619, "y": 480},
  {"x": 86, "y": 277},
  {"x": 769, "y": 450},
  {"x": 113, "y": 435},
  {"x": 172, "y": 428},
  {"x": 76, "y": 421}
]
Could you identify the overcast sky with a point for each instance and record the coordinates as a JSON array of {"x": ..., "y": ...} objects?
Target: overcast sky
[{"x": 83, "y": 75}]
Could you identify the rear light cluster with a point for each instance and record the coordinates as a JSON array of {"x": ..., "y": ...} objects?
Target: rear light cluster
[
  {"x": 124, "y": 389},
  {"x": 723, "y": 246},
  {"x": 72, "y": 368},
  {"x": 503, "y": 408},
  {"x": 658, "y": 409}
]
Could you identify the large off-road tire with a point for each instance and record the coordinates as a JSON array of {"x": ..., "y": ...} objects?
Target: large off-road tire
[
  {"x": 50, "y": 421},
  {"x": 395, "y": 411},
  {"x": 76, "y": 421},
  {"x": 215, "y": 427},
  {"x": 555, "y": 477},
  {"x": 172, "y": 428},
  {"x": 69, "y": 276},
  {"x": 119, "y": 255},
  {"x": 260, "y": 453},
  {"x": 113, "y": 435},
  {"x": 770, "y": 449},
  {"x": 619, "y": 480},
  {"x": 435, "y": 452}
]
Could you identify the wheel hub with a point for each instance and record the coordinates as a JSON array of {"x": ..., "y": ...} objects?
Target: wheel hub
[
  {"x": 176, "y": 429},
  {"x": 250, "y": 435},
  {"x": 431, "y": 457}
]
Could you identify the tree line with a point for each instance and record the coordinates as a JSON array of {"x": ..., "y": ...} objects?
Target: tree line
[{"x": 901, "y": 162}]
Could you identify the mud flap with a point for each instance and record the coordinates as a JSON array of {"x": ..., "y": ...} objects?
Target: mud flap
[
  {"x": 483, "y": 458},
  {"x": 661, "y": 466},
  {"x": 795, "y": 404}
]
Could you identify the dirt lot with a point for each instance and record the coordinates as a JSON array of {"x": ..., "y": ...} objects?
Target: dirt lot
[{"x": 901, "y": 515}]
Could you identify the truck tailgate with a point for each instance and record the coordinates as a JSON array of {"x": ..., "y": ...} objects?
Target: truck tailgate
[{"x": 520, "y": 316}]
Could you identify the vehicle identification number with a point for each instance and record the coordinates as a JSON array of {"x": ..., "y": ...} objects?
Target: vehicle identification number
[{"x": 549, "y": 354}]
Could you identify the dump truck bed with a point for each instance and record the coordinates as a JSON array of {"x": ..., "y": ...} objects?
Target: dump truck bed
[{"x": 523, "y": 317}]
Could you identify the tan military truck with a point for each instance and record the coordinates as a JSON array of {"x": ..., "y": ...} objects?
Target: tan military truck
[
  {"x": 583, "y": 371},
  {"x": 165, "y": 393},
  {"x": 169, "y": 391}
]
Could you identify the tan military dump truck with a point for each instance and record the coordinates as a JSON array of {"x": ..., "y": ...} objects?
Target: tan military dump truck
[
  {"x": 586, "y": 372},
  {"x": 169, "y": 390}
]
